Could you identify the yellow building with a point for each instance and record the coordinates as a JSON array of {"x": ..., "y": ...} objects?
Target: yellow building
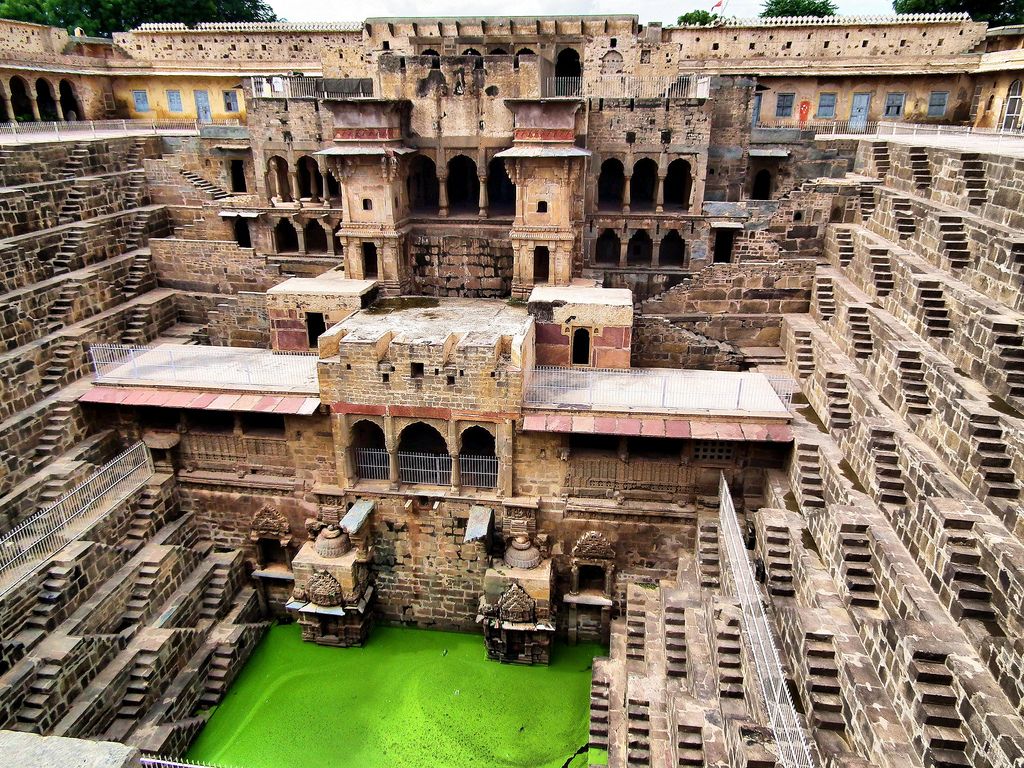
[{"x": 184, "y": 97}]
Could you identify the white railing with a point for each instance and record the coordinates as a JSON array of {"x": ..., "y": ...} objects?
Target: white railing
[
  {"x": 629, "y": 87},
  {"x": 171, "y": 762},
  {"x": 49, "y": 531},
  {"x": 794, "y": 749},
  {"x": 657, "y": 389},
  {"x": 220, "y": 367},
  {"x": 886, "y": 128},
  {"x": 297, "y": 87},
  {"x": 373, "y": 464},
  {"x": 478, "y": 471},
  {"x": 821, "y": 126},
  {"x": 425, "y": 468},
  {"x": 89, "y": 128}
]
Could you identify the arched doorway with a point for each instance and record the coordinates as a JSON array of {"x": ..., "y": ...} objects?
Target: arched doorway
[
  {"x": 423, "y": 456},
  {"x": 610, "y": 185},
  {"x": 277, "y": 179},
  {"x": 242, "y": 235},
  {"x": 608, "y": 248},
  {"x": 581, "y": 346},
  {"x": 762, "y": 187},
  {"x": 541, "y": 264},
  {"x": 435, "y": 58},
  {"x": 69, "y": 102},
  {"x": 498, "y": 52},
  {"x": 678, "y": 182},
  {"x": 370, "y": 451},
  {"x": 463, "y": 186},
  {"x": 286, "y": 239},
  {"x": 45, "y": 100},
  {"x": 311, "y": 181},
  {"x": 521, "y": 52},
  {"x": 501, "y": 192},
  {"x": 21, "y": 102},
  {"x": 478, "y": 462},
  {"x": 370, "y": 267},
  {"x": 422, "y": 185},
  {"x": 643, "y": 185},
  {"x": 672, "y": 250},
  {"x": 568, "y": 71},
  {"x": 640, "y": 249},
  {"x": 1011, "y": 117},
  {"x": 316, "y": 237}
]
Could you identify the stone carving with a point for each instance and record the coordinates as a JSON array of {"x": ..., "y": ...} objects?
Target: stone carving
[
  {"x": 517, "y": 606},
  {"x": 268, "y": 523},
  {"x": 592, "y": 545},
  {"x": 332, "y": 542},
  {"x": 323, "y": 589},
  {"x": 521, "y": 553}
]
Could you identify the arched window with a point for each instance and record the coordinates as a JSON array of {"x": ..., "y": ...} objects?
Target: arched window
[
  {"x": 522, "y": 52},
  {"x": 423, "y": 186},
  {"x": 370, "y": 451},
  {"x": 541, "y": 264},
  {"x": 643, "y": 184},
  {"x": 242, "y": 235},
  {"x": 435, "y": 58},
  {"x": 581, "y": 346},
  {"x": 311, "y": 181},
  {"x": 316, "y": 237},
  {"x": 277, "y": 179},
  {"x": 568, "y": 71},
  {"x": 672, "y": 251},
  {"x": 69, "y": 102},
  {"x": 477, "y": 441},
  {"x": 423, "y": 456},
  {"x": 678, "y": 181},
  {"x": 762, "y": 188},
  {"x": 478, "y": 461},
  {"x": 640, "y": 249},
  {"x": 462, "y": 185},
  {"x": 501, "y": 192},
  {"x": 611, "y": 63},
  {"x": 21, "y": 102},
  {"x": 471, "y": 52},
  {"x": 610, "y": 185},
  {"x": 286, "y": 240},
  {"x": 498, "y": 52},
  {"x": 478, "y": 60},
  {"x": 370, "y": 267},
  {"x": 1011, "y": 118},
  {"x": 44, "y": 99},
  {"x": 608, "y": 248}
]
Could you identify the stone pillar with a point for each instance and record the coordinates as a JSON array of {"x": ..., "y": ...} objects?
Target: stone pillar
[
  {"x": 391, "y": 443},
  {"x": 656, "y": 251},
  {"x": 300, "y": 235},
  {"x": 659, "y": 194},
  {"x": 293, "y": 180},
  {"x": 33, "y": 102},
  {"x": 625, "y": 194},
  {"x": 442, "y": 195},
  {"x": 8, "y": 106},
  {"x": 623, "y": 249},
  {"x": 456, "y": 473},
  {"x": 345, "y": 453},
  {"x": 59, "y": 108},
  {"x": 503, "y": 449},
  {"x": 483, "y": 197}
]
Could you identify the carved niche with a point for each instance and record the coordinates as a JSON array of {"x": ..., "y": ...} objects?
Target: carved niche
[
  {"x": 268, "y": 523},
  {"x": 323, "y": 589},
  {"x": 592, "y": 545},
  {"x": 517, "y": 606}
]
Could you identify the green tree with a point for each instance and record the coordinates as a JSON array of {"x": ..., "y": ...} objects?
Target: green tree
[
  {"x": 102, "y": 17},
  {"x": 998, "y": 13},
  {"x": 799, "y": 8},
  {"x": 699, "y": 18}
]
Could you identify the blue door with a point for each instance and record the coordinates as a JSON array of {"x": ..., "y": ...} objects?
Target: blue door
[
  {"x": 859, "y": 111},
  {"x": 757, "y": 110},
  {"x": 203, "y": 113}
]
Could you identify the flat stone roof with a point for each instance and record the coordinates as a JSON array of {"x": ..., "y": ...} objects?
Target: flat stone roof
[
  {"x": 324, "y": 285},
  {"x": 582, "y": 294},
  {"x": 417, "y": 320}
]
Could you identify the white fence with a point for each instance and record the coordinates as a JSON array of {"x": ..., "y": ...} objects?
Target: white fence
[
  {"x": 478, "y": 471},
  {"x": 886, "y": 128},
  {"x": 310, "y": 88},
  {"x": 629, "y": 87},
  {"x": 660, "y": 389},
  {"x": 425, "y": 468},
  {"x": 205, "y": 366},
  {"x": 89, "y": 128},
  {"x": 373, "y": 464},
  {"x": 49, "y": 531},
  {"x": 794, "y": 749}
]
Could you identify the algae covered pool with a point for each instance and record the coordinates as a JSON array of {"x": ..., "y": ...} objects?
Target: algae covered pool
[{"x": 409, "y": 698}]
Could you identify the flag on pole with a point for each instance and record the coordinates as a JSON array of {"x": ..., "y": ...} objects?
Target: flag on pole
[{"x": 719, "y": 4}]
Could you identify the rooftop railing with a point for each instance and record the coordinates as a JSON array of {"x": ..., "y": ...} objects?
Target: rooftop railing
[
  {"x": 49, "y": 531},
  {"x": 887, "y": 128},
  {"x": 90, "y": 128},
  {"x": 794, "y": 749},
  {"x": 629, "y": 87},
  {"x": 658, "y": 389},
  {"x": 298, "y": 87},
  {"x": 205, "y": 367}
]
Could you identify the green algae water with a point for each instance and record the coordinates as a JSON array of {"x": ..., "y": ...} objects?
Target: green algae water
[{"x": 409, "y": 698}]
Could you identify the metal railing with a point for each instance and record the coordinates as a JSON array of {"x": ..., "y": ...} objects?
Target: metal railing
[
  {"x": 629, "y": 87},
  {"x": 425, "y": 468},
  {"x": 223, "y": 367},
  {"x": 88, "y": 128},
  {"x": 821, "y": 126},
  {"x": 298, "y": 87},
  {"x": 794, "y": 749},
  {"x": 478, "y": 471},
  {"x": 149, "y": 761},
  {"x": 373, "y": 464},
  {"x": 49, "y": 531},
  {"x": 886, "y": 128},
  {"x": 662, "y": 389}
]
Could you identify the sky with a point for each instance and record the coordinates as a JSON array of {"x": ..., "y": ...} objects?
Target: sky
[{"x": 647, "y": 10}]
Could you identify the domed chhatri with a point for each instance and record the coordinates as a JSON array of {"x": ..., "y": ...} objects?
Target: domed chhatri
[
  {"x": 332, "y": 542},
  {"x": 522, "y": 553}
]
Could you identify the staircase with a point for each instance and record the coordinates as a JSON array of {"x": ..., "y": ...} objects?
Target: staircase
[
  {"x": 216, "y": 592},
  {"x": 953, "y": 241},
  {"x": 823, "y": 683},
  {"x": 144, "y": 519},
  {"x": 973, "y": 173},
  {"x": 133, "y": 703},
  {"x": 989, "y": 455},
  {"x": 139, "y": 274},
  {"x": 59, "y": 424},
  {"x": 1009, "y": 348},
  {"x": 824, "y": 297},
  {"x": 46, "y": 611},
  {"x": 62, "y": 363},
  {"x": 203, "y": 185},
  {"x": 135, "y": 192},
  {"x": 903, "y": 215},
  {"x": 804, "y": 354},
  {"x": 67, "y": 254},
  {"x": 73, "y": 206},
  {"x": 969, "y": 584},
  {"x": 888, "y": 474},
  {"x": 880, "y": 155},
  {"x": 138, "y": 604},
  {"x": 920, "y": 168},
  {"x": 860, "y": 331},
  {"x": 812, "y": 493},
  {"x": 133, "y": 159},
  {"x": 598, "y": 713},
  {"x": 935, "y": 706},
  {"x": 77, "y": 162},
  {"x": 779, "y": 561},
  {"x": 912, "y": 382},
  {"x": 636, "y": 632},
  {"x": 728, "y": 659},
  {"x": 838, "y": 398},
  {"x": 709, "y": 556},
  {"x": 860, "y": 578},
  {"x": 43, "y": 686},
  {"x": 638, "y": 733},
  {"x": 689, "y": 746},
  {"x": 136, "y": 323},
  {"x": 59, "y": 314},
  {"x": 844, "y": 238},
  {"x": 675, "y": 641},
  {"x": 881, "y": 270},
  {"x": 936, "y": 316},
  {"x": 866, "y": 193}
]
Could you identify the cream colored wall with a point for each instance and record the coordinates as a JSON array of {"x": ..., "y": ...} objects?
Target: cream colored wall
[{"x": 157, "y": 86}]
